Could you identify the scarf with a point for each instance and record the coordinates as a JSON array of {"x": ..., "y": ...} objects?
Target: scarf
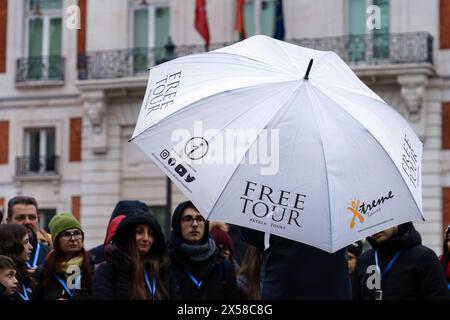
[
  {"x": 197, "y": 253},
  {"x": 61, "y": 268}
]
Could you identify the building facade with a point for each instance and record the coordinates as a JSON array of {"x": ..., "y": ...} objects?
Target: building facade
[{"x": 69, "y": 98}]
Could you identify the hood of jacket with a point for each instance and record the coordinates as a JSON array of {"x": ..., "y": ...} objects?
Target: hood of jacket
[
  {"x": 406, "y": 237},
  {"x": 122, "y": 209},
  {"x": 126, "y": 224},
  {"x": 176, "y": 236}
]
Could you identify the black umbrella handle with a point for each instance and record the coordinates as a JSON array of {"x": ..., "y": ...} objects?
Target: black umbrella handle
[{"x": 308, "y": 70}]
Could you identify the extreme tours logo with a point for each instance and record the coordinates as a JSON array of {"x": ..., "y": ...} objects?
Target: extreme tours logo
[
  {"x": 261, "y": 201},
  {"x": 363, "y": 210}
]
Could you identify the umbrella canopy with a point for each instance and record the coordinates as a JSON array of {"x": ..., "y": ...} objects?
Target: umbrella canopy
[{"x": 258, "y": 135}]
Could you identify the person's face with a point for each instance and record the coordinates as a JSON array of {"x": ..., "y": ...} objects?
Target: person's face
[
  {"x": 351, "y": 262},
  {"x": 384, "y": 235},
  {"x": 71, "y": 241},
  {"x": 192, "y": 226},
  {"x": 144, "y": 238},
  {"x": 226, "y": 251},
  {"x": 26, "y": 214},
  {"x": 9, "y": 281},
  {"x": 28, "y": 248}
]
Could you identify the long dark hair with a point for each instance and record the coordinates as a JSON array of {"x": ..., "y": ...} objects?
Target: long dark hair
[
  {"x": 55, "y": 257},
  {"x": 250, "y": 269},
  {"x": 154, "y": 264},
  {"x": 11, "y": 245}
]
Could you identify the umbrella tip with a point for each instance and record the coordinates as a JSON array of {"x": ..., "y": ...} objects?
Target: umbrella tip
[{"x": 306, "y": 77}]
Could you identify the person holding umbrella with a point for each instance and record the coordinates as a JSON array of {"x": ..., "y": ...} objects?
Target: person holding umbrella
[
  {"x": 399, "y": 267},
  {"x": 203, "y": 273},
  {"x": 137, "y": 264},
  {"x": 445, "y": 258}
]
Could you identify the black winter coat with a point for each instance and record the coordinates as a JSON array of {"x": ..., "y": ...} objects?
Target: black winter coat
[
  {"x": 54, "y": 290},
  {"x": 415, "y": 274},
  {"x": 217, "y": 275},
  {"x": 113, "y": 278},
  {"x": 293, "y": 270}
]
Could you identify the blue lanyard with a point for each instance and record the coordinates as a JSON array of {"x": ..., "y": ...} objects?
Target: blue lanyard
[
  {"x": 389, "y": 266},
  {"x": 36, "y": 256},
  {"x": 152, "y": 287},
  {"x": 24, "y": 296},
  {"x": 195, "y": 281},
  {"x": 64, "y": 285}
]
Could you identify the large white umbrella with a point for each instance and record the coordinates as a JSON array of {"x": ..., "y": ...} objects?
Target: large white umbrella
[{"x": 282, "y": 139}]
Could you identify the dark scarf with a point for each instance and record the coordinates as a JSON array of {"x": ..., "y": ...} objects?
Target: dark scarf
[{"x": 192, "y": 253}]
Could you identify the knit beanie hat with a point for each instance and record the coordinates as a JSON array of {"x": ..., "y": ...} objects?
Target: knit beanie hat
[
  {"x": 62, "y": 222},
  {"x": 222, "y": 238}
]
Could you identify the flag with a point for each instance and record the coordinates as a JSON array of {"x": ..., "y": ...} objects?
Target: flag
[
  {"x": 239, "y": 25},
  {"x": 201, "y": 20},
  {"x": 279, "y": 21}
]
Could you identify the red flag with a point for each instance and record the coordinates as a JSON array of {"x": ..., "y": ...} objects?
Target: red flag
[
  {"x": 201, "y": 20},
  {"x": 239, "y": 23}
]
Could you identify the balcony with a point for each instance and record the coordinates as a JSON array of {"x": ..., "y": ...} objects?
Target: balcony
[
  {"x": 37, "y": 168},
  {"x": 366, "y": 51},
  {"x": 40, "y": 71}
]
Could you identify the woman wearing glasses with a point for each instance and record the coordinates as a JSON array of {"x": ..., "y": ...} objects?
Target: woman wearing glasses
[
  {"x": 68, "y": 269},
  {"x": 202, "y": 271},
  {"x": 137, "y": 264}
]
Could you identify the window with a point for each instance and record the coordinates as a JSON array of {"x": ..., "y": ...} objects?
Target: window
[
  {"x": 45, "y": 215},
  {"x": 40, "y": 150},
  {"x": 44, "y": 41},
  {"x": 259, "y": 17},
  {"x": 150, "y": 33},
  {"x": 357, "y": 30},
  {"x": 160, "y": 213},
  {"x": 381, "y": 36}
]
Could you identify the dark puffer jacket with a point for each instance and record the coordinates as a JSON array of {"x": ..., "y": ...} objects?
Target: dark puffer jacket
[
  {"x": 216, "y": 274},
  {"x": 415, "y": 274},
  {"x": 113, "y": 279}
]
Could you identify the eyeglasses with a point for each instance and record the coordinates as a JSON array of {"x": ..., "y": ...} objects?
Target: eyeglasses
[
  {"x": 190, "y": 219},
  {"x": 66, "y": 235}
]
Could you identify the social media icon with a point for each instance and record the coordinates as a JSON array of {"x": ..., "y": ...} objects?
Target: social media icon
[{"x": 165, "y": 154}]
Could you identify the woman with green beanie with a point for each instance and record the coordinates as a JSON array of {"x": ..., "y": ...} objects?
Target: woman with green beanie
[{"x": 68, "y": 269}]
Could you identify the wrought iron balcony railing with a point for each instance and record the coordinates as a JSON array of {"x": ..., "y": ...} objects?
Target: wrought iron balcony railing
[
  {"x": 49, "y": 68},
  {"x": 367, "y": 49},
  {"x": 37, "y": 166}
]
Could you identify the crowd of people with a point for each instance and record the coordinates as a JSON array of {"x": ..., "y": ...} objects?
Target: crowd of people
[{"x": 199, "y": 261}]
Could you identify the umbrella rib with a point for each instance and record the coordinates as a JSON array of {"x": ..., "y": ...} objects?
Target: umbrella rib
[
  {"x": 187, "y": 106},
  {"x": 282, "y": 108},
  {"x": 314, "y": 110},
  {"x": 379, "y": 143}
]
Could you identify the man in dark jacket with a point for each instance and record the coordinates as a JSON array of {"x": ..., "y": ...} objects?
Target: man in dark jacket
[
  {"x": 24, "y": 210},
  {"x": 293, "y": 270},
  {"x": 201, "y": 270},
  {"x": 122, "y": 208},
  {"x": 407, "y": 270}
]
